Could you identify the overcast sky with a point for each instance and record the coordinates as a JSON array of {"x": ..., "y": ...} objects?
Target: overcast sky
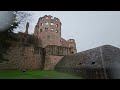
[{"x": 89, "y": 28}]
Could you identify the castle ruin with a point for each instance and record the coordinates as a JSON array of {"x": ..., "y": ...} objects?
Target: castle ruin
[{"x": 42, "y": 50}]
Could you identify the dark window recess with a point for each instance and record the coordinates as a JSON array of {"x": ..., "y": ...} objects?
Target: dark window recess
[
  {"x": 72, "y": 52},
  {"x": 93, "y": 62},
  {"x": 46, "y": 23},
  {"x": 56, "y": 25},
  {"x": 79, "y": 63},
  {"x": 40, "y": 30},
  {"x": 46, "y": 17},
  {"x": 52, "y": 29}
]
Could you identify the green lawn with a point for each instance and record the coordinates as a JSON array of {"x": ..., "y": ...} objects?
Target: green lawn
[{"x": 35, "y": 74}]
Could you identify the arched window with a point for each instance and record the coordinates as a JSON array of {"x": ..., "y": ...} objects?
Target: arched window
[
  {"x": 40, "y": 30},
  {"x": 41, "y": 24},
  {"x": 46, "y": 28},
  {"x": 79, "y": 63},
  {"x": 56, "y": 25},
  {"x": 46, "y": 18},
  {"x": 56, "y": 31},
  {"x": 46, "y": 23},
  {"x": 52, "y": 23},
  {"x": 52, "y": 17},
  {"x": 93, "y": 62},
  {"x": 52, "y": 29}
]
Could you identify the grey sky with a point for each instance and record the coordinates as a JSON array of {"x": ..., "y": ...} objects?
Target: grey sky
[{"x": 89, "y": 28}]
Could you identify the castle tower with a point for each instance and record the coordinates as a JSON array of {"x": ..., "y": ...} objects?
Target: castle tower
[
  {"x": 72, "y": 46},
  {"x": 27, "y": 26},
  {"x": 48, "y": 31}
]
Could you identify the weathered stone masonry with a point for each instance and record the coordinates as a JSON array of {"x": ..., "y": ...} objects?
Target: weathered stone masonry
[
  {"x": 47, "y": 35},
  {"x": 45, "y": 51},
  {"x": 98, "y": 63}
]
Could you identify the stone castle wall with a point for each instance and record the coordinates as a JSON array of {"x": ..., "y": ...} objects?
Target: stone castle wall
[
  {"x": 42, "y": 50},
  {"x": 30, "y": 57},
  {"x": 98, "y": 63},
  {"x": 54, "y": 54},
  {"x": 48, "y": 31},
  {"x": 51, "y": 61},
  {"x": 21, "y": 58}
]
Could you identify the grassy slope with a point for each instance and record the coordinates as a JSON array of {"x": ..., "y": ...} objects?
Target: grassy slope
[{"x": 36, "y": 74}]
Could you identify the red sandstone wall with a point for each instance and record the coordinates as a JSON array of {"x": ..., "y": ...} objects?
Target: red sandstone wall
[
  {"x": 64, "y": 43},
  {"x": 72, "y": 45},
  {"x": 49, "y": 38},
  {"x": 45, "y": 34},
  {"x": 50, "y": 23},
  {"x": 21, "y": 58},
  {"x": 48, "y": 31},
  {"x": 51, "y": 61},
  {"x": 57, "y": 50}
]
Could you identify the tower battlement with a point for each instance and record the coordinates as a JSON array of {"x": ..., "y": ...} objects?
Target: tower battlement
[{"x": 49, "y": 23}]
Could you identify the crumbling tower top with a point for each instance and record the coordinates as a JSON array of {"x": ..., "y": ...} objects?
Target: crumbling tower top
[{"x": 49, "y": 22}]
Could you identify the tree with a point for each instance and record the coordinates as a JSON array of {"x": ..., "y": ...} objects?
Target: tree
[{"x": 18, "y": 17}]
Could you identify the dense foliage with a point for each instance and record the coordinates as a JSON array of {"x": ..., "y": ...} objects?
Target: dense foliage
[{"x": 7, "y": 35}]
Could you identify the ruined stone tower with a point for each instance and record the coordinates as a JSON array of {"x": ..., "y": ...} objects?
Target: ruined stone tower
[
  {"x": 47, "y": 35},
  {"x": 42, "y": 50},
  {"x": 48, "y": 31}
]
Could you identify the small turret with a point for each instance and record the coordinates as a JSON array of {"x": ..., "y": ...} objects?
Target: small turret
[
  {"x": 27, "y": 26},
  {"x": 72, "y": 45}
]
